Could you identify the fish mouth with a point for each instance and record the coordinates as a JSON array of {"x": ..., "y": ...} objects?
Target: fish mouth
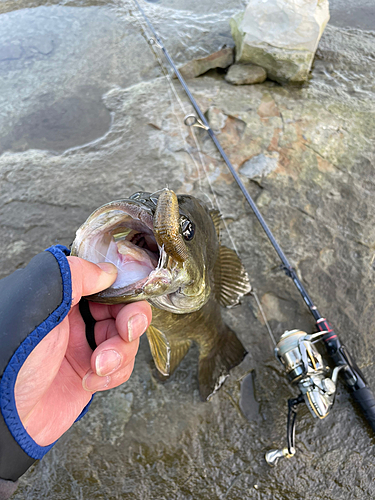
[{"x": 122, "y": 232}]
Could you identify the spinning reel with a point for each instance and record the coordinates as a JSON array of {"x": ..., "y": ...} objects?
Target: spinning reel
[{"x": 317, "y": 383}]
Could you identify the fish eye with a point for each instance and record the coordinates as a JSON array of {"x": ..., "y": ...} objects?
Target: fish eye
[{"x": 187, "y": 228}]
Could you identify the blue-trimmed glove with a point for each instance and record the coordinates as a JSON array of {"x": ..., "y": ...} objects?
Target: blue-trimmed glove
[{"x": 33, "y": 301}]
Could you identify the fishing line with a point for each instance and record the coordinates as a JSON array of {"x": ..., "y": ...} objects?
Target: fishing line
[
  {"x": 203, "y": 164},
  {"x": 172, "y": 87},
  {"x": 255, "y": 295},
  {"x": 294, "y": 342}
]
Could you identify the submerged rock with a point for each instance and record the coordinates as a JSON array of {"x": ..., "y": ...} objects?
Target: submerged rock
[
  {"x": 245, "y": 74},
  {"x": 220, "y": 59},
  {"x": 280, "y": 35}
]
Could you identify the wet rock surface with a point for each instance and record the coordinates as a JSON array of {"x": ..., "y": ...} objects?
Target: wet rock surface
[
  {"x": 245, "y": 74},
  {"x": 148, "y": 440}
]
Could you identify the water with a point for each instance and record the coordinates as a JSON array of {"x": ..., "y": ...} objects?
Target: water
[{"x": 86, "y": 117}]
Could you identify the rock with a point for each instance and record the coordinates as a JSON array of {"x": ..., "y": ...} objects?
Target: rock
[
  {"x": 220, "y": 59},
  {"x": 319, "y": 202},
  {"x": 280, "y": 35},
  {"x": 216, "y": 118},
  {"x": 260, "y": 165},
  {"x": 245, "y": 74}
]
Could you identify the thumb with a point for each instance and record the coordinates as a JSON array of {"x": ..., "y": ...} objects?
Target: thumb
[{"x": 89, "y": 278}]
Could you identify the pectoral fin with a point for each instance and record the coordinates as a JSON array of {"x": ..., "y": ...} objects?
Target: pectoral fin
[
  {"x": 167, "y": 353},
  {"x": 160, "y": 350},
  {"x": 231, "y": 279}
]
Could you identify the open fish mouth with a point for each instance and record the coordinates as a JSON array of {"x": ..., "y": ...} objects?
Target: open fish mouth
[{"x": 122, "y": 232}]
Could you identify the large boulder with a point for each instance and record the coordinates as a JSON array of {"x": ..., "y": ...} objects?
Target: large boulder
[{"x": 280, "y": 35}]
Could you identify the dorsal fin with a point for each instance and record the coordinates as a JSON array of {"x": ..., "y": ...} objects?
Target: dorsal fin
[
  {"x": 160, "y": 350},
  {"x": 231, "y": 279},
  {"x": 216, "y": 219}
]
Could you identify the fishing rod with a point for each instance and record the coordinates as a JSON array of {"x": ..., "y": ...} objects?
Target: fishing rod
[{"x": 295, "y": 350}]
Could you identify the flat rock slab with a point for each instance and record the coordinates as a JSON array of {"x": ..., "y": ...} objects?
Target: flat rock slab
[
  {"x": 220, "y": 59},
  {"x": 245, "y": 74}
]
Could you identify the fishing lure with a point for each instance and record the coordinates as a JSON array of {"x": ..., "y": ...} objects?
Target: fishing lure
[{"x": 167, "y": 226}]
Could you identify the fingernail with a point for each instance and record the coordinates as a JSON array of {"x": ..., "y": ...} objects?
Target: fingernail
[
  {"x": 107, "y": 362},
  {"x": 136, "y": 326},
  {"x": 92, "y": 383},
  {"x": 107, "y": 267}
]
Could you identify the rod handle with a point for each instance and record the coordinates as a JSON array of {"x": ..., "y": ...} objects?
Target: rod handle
[{"x": 365, "y": 399}]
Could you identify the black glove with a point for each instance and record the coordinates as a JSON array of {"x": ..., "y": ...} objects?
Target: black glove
[{"x": 33, "y": 301}]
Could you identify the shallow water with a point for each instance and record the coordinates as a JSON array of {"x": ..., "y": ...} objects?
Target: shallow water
[{"x": 86, "y": 117}]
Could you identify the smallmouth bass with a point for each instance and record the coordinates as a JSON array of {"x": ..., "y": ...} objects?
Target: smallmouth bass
[{"x": 167, "y": 251}]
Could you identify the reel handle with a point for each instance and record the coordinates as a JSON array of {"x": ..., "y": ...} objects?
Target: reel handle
[{"x": 273, "y": 456}]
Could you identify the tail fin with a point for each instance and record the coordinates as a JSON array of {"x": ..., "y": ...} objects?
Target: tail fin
[{"x": 214, "y": 368}]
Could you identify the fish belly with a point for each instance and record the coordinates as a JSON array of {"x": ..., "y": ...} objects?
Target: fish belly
[{"x": 219, "y": 348}]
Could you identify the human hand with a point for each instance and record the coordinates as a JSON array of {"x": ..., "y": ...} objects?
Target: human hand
[{"x": 60, "y": 375}]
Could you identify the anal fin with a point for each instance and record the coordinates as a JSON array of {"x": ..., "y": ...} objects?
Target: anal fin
[
  {"x": 215, "y": 366},
  {"x": 179, "y": 349}
]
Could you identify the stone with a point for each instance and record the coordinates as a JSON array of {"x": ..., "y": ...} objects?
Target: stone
[
  {"x": 260, "y": 165},
  {"x": 280, "y": 35},
  {"x": 220, "y": 59},
  {"x": 245, "y": 74},
  {"x": 216, "y": 118}
]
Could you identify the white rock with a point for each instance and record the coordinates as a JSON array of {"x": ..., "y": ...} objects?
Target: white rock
[{"x": 280, "y": 35}]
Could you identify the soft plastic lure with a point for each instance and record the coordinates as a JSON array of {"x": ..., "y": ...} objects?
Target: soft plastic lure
[{"x": 167, "y": 226}]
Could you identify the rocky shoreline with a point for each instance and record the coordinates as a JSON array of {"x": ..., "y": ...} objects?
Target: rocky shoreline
[{"x": 306, "y": 154}]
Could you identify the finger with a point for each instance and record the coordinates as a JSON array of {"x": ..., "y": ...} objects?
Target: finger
[
  {"x": 136, "y": 321},
  {"x": 112, "y": 355},
  {"x": 93, "y": 383},
  {"x": 89, "y": 278},
  {"x": 106, "y": 311},
  {"x": 105, "y": 330},
  {"x": 133, "y": 320}
]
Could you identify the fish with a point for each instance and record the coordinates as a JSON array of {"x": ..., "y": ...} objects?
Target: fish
[{"x": 168, "y": 251}]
